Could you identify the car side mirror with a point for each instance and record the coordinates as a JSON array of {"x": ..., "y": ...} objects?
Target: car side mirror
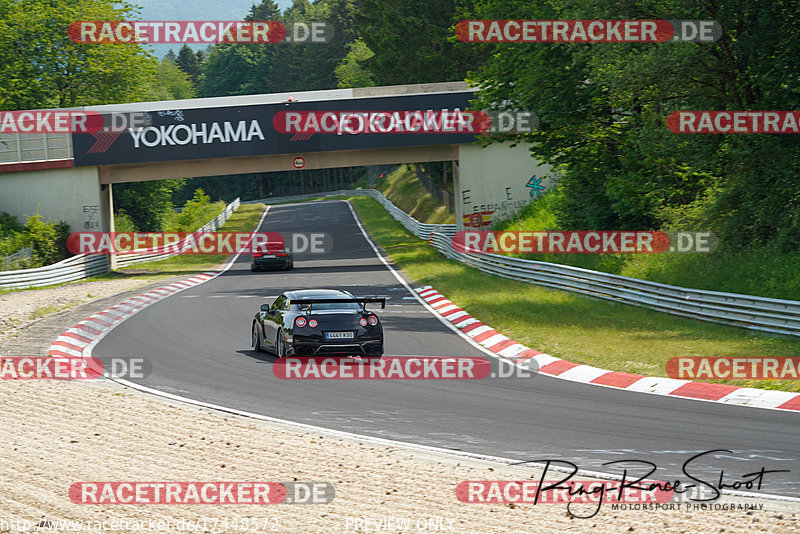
[{"x": 265, "y": 308}]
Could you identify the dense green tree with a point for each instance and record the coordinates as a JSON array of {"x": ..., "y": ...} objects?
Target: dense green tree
[
  {"x": 229, "y": 70},
  {"x": 189, "y": 63},
  {"x": 413, "y": 41},
  {"x": 146, "y": 203},
  {"x": 235, "y": 69},
  {"x": 602, "y": 111},
  {"x": 170, "y": 83},
  {"x": 351, "y": 72},
  {"x": 41, "y": 67}
]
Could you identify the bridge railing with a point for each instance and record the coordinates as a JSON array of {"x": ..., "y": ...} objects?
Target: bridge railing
[
  {"x": 85, "y": 266},
  {"x": 755, "y": 313},
  {"x": 25, "y": 147}
]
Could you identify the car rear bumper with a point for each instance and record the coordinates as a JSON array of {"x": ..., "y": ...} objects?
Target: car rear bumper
[
  {"x": 270, "y": 263},
  {"x": 369, "y": 347}
]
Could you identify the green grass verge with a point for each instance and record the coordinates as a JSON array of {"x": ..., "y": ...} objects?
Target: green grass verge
[
  {"x": 178, "y": 222},
  {"x": 764, "y": 271},
  {"x": 407, "y": 193},
  {"x": 566, "y": 325},
  {"x": 242, "y": 220}
]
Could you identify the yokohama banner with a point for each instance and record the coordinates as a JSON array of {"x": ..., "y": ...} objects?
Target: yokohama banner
[{"x": 283, "y": 128}]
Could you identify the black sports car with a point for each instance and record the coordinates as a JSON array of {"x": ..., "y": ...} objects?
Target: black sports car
[
  {"x": 272, "y": 259},
  {"x": 311, "y": 322}
]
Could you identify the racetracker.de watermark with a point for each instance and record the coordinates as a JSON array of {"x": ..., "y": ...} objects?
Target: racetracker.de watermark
[
  {"x": 197, "y": 32},
  {"x": 733, "y": 368},
  {"x": 587, "y": 31},
  {"x": 734, "y": 122},
  {"x": 304, "y": 124},
  {"x": 559, "y": 491},
  {"x": 582, "y": 242},
  {"x": 49, "y": 368},
  {"x": 72, "y": 367},
  {"x": 198, "y": 242},
  {"x": 594, "y": 493},
  {"x": 50, "y": 121},
  {"x": 258, "y": 493},
  {"x": 396, "y": 368},
  {"x": 66, "y": 121}
]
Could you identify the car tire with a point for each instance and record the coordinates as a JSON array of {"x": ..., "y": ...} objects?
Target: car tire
[
  {"x": 280, "y": 345},
  {"x": 256, "y": 339}
]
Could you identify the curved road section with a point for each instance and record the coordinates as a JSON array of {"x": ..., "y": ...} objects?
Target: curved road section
[{"x": 198, "y": 344}]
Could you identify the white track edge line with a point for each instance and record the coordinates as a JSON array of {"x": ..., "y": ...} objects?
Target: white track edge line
[
  {"x": 383, "y": 441},
  {"x": 419, "y": 299}
]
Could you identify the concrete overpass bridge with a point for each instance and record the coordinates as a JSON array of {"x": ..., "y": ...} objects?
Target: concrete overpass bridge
[{"x": 70, "y": 177}]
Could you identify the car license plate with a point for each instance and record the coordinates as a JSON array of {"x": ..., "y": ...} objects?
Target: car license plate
[
  {"x": 268, "y": 256},
  {"x": 339, "y": 335}
]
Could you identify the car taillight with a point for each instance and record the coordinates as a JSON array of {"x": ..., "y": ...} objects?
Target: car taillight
[
  {"x": 256, "y": 255},
  {"x": 373, "y": 320},
  {"x": 313, "y": 323},
  {"x": 300, "y": 322},
  {"x": 282, "y": 255},
  {"x": 363, "y": 322}
]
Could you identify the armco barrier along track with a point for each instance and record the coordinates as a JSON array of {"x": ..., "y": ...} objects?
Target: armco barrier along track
[
  {"x": 84, "y": 266},
  {"x": 756, "y": 313}
]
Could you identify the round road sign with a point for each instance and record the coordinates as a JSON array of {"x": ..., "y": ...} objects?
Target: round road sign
[{"x": 299, "y": 162}]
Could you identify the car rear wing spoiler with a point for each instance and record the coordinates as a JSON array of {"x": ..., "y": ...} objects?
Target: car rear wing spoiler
[{"x": 311, "y": 302}]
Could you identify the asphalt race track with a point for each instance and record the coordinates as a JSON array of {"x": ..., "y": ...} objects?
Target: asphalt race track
[{"x": 198, "y": 342}]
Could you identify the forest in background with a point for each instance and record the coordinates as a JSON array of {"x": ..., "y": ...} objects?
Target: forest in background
[{"x": 602, "y": 107}]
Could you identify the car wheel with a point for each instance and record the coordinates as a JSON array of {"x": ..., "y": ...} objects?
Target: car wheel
[
  {"x": 280, "y": 345},
  {"x": 256, "y": 338}
]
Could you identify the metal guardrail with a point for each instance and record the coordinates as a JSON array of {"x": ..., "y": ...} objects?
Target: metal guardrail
[
  {"x": 755, "y": 313},
  {"x": 74, "y": 268},
  {"x": 124, "y": 260},
  {"x": 764, "y": 314},
  {"x": 15, "y": 260},
  {"x": 84, "y": 266}
]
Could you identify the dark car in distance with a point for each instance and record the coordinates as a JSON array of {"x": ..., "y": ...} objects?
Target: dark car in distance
[
  {"x": 272, "y": 259},
  {"x": 317, "y": 322}
]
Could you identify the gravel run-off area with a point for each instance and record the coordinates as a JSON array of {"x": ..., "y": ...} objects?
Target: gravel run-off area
[{"x": 58, "y": 432}]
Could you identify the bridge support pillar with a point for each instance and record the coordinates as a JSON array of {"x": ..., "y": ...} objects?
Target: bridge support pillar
[
  {"x": 70, "y": 194},
  {"x": 493, "y": 183}
]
